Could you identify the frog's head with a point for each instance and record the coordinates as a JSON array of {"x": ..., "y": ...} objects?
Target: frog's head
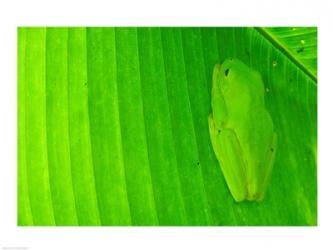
[
  {"x": 235, "y": 79},
  {"x": 232, "y": 75}
]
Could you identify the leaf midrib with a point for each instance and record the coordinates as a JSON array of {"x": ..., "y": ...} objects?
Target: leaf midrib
[{"x": 286, "y": 52}]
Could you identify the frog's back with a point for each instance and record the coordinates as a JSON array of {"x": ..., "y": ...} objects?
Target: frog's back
[
  {"x": 245, "y": 113},
  {"x": 252, "y": 124},
  {"x": 255, "y": 139}
]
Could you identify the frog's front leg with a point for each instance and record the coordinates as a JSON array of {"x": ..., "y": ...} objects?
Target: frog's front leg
[
  {"x": 269, "y": 160},
  {"x": 229, "y": 154}
]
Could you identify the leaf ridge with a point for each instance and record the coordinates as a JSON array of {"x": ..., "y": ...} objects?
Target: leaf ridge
[{"x": 265, "y": 33}]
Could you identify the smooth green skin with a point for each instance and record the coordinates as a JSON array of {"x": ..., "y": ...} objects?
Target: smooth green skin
[{"x": 241, "y": 130}]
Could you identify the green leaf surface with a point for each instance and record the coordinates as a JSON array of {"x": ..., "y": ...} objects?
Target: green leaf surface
[
  {"x": 113, "y": 126},
  {"x": 299, "y": 43}
]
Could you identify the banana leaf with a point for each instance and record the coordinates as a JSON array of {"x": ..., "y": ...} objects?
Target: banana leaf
[{"x": 113, "y": 126}]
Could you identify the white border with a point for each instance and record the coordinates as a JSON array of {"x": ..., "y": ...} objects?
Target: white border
[{"x": 163, "y": 13}]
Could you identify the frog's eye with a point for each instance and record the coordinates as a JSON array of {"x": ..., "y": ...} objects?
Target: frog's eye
[{"x": 226, "y": 72}]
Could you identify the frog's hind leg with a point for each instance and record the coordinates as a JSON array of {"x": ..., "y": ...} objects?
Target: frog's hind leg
[
  {"x": 269, "y": 162},
  {"x": 229, "y": 154}
]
